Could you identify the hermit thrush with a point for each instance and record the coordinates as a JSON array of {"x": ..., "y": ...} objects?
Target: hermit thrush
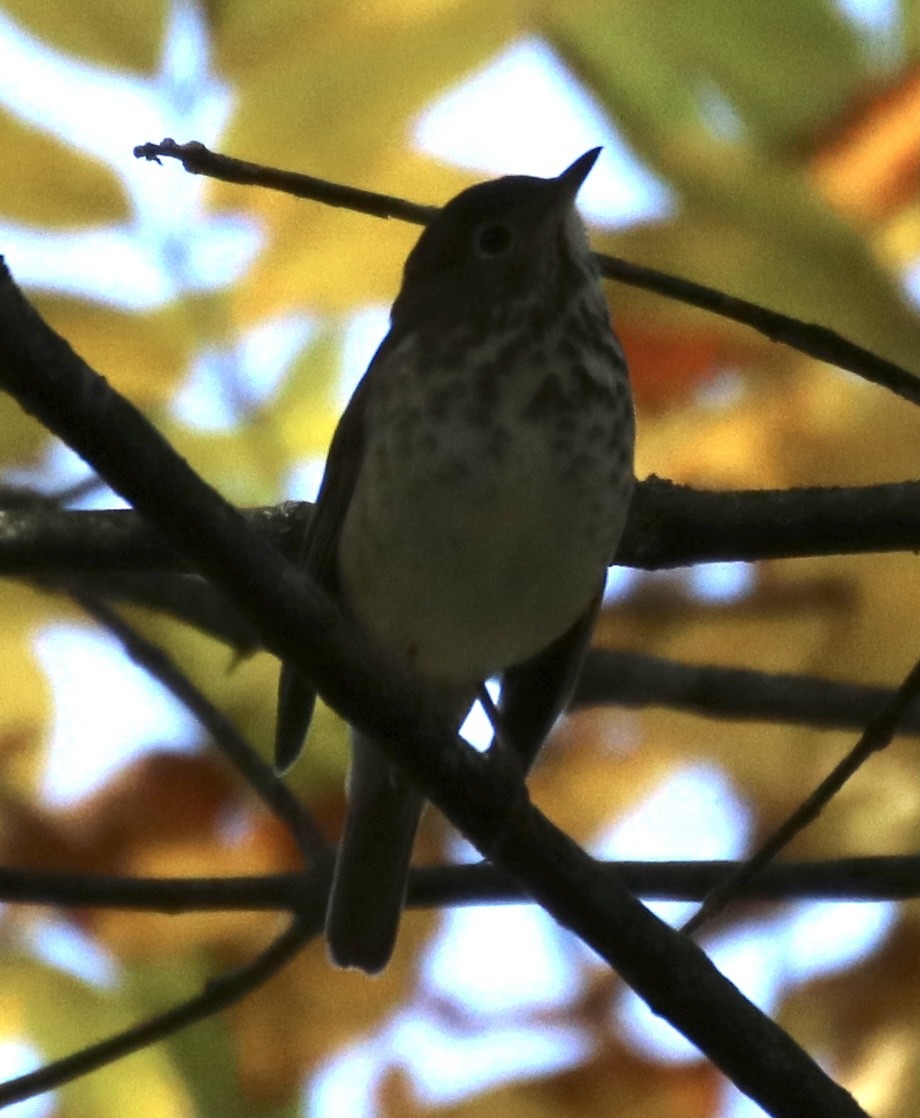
[{"x": 475, "y": 492}]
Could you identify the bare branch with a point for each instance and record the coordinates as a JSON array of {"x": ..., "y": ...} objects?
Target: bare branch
[
  {"x": 876, "y": 736},
  {"x": 635, "y": 679},
  {"x": 817, "y": 341},
  {"x": 878, "y": 878},
  {"x": 669, "y": 526},
  {"x": 807, "y": 337},
  {"x": 259, "y": 775},
  {"x": 675, "y": 526},
  {"x": 187, "y": 597},
  {"x": 200, "y": 160},
  {"x": 38, "y": 539}
]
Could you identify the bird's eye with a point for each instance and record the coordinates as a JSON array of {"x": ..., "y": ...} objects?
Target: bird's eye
[{"x": 493, "y": 238}]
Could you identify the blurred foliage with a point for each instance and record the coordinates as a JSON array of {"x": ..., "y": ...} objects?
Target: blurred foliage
[{"x": 789, "y": 139}]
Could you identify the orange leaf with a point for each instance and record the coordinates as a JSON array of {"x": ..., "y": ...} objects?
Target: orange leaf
[{"x": 871, "y": 166}]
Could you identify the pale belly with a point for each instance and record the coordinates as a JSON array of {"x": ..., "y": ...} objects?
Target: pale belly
[{"x": 459, "y": 563}]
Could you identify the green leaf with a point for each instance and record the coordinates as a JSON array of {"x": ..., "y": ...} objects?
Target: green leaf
[
  {"x": 782, "y": 68},
  {"x": 61, "y": 1014}
]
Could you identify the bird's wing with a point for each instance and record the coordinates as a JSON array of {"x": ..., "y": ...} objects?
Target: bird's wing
[
  {"x": 535, "y": 692},
  {"x": 319, "y": 558}
]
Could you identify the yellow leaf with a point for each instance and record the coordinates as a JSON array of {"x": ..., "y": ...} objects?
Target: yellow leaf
[
  {"x": 143, "y": 354},
  {"x": 25, "y": 706},
  {"x": 49, "y": 183},
  {"x": 116, "y": 33},
  {"x": 23, "y": 437},
  {"x": 332, "y": 80}
]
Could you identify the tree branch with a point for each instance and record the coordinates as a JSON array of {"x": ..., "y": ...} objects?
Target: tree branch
[
  {"x": 635, "y": 679},
  {"x": 259, "y": 775},
  {"x": 877, "y": 735},
  {"x": 817, "y": 341},
  {"x": 187, "y": 597},
  {"x": 878, "y": 878},
  {"x": 669, "y": 526}
]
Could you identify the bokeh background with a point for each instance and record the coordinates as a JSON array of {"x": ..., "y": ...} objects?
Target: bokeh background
[{"x": 770, "y": 150}]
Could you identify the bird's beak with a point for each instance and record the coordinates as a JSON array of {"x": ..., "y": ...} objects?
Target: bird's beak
[{"x": 569, "y": 182}]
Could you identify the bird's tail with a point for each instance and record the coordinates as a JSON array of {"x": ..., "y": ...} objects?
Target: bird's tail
[{"x": 369, "y": 886}]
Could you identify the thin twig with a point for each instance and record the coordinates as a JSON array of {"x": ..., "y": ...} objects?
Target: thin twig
[
  {"x": 639, "y": 680},
  {"x": 282, "y": 892},
  {"x": 877, "y": 878},
  {"x": 869, "y": 879},
  {"x": 669, "y": 526},
  {"x": 260, "y": 776},
  {"x": 876, "y": 736},
  {"x": 807, "y": 337},
  {"x": 218, "y": 994},
  {"x": 815, "y": 340},
  {"x": 200, "y": 160},
  {"x": 181, "y": 595}
]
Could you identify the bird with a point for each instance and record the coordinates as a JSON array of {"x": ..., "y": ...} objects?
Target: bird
[{"x": 475, "y": 492}]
